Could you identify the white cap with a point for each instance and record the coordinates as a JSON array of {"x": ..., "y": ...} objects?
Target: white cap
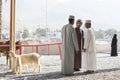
[
  {"x": 79, "y": 20},
  {"x": 88, "y": 21},
  {"x": 71, "y": 17}
]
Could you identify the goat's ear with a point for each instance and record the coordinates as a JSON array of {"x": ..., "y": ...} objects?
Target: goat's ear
[{"x": 10, "y": 51}]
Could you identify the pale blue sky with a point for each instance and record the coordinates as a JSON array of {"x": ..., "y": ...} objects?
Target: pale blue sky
[{"x": 103, "y": 13}]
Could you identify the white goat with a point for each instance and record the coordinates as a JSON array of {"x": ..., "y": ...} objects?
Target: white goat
[{"x": 25, "y": 60}]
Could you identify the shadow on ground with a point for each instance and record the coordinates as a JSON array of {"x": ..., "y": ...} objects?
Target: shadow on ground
[{"x": 57, "y": 75}]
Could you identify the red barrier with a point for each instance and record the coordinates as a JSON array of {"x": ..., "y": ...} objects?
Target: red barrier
[
  {"x": 37, "y": 47},
  {"x": 32, "y": 49}
]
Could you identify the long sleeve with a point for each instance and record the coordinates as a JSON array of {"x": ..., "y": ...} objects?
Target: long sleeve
[
  {"x": 62, "y": 33},
  {"x": 83, "y": 40},
  {"x": 75, "y": 42},
  {"x": 87, "y": 39}
]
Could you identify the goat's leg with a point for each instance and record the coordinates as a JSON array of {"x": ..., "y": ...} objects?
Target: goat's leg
[
  {"x": 10, "y": 63},
  {"x": 7, "y": 59},
  {"x": 27, "y": 68},
  {"x": 35, "y": 68},
  {"x": 20, "y": 69},
  {"x": 16, "y": 69},
  {"x": 39, "y": 68}
]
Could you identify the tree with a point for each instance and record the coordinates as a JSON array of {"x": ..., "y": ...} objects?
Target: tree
[
  {"x": 25, "y": 33},
  {"x": 100, "y": 34},
  {"x": 110, "y": 32},
  {"x": 40, "y": 32},
  {"x": 105, "y": 34}
]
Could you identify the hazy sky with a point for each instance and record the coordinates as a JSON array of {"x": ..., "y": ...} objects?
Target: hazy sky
[{"x": 103, "y": 13}]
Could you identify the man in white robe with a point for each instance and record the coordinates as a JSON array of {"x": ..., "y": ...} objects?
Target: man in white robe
[
  {"x": 69, "y": 45},
  {"x": 89, "y": 56}
]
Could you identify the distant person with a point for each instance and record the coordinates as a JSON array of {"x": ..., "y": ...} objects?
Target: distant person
[
  {"x": 78, "y": 55},
  {"x": 69, "y": 45},
  {"x": 114, "y": 46},
  {"x": 89, "y": 56}
]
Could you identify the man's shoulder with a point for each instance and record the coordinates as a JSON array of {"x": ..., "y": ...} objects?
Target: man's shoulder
[
  {"x": 66, "y": 25},
  {"x": 91, "y": 30}
]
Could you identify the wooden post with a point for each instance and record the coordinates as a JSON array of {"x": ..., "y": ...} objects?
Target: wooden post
[
  {"x": 60, "y": 52},
  {"x": 36, "y": 49},
  {"x": 48, "y": 49},
  {"x": 33, "y": 49},
  {"x": 20, "y": 49},
  {"x": 0, "y": 19},
  {"x": 12, "y": 31}
]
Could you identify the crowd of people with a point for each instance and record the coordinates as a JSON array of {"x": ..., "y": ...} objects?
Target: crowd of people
[{"x": 78, "y": 47}]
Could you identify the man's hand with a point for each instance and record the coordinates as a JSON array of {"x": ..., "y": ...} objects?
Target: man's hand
[{"x": 84, "y": 50}]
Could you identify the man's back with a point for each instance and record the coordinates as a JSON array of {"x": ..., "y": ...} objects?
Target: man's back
[
  {"x": 69, "y": 44},
  {"x": 67, "y": 32}
]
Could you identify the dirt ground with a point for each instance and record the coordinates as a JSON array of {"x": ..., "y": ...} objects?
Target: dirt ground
[{"x": 108, "y": 68}]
